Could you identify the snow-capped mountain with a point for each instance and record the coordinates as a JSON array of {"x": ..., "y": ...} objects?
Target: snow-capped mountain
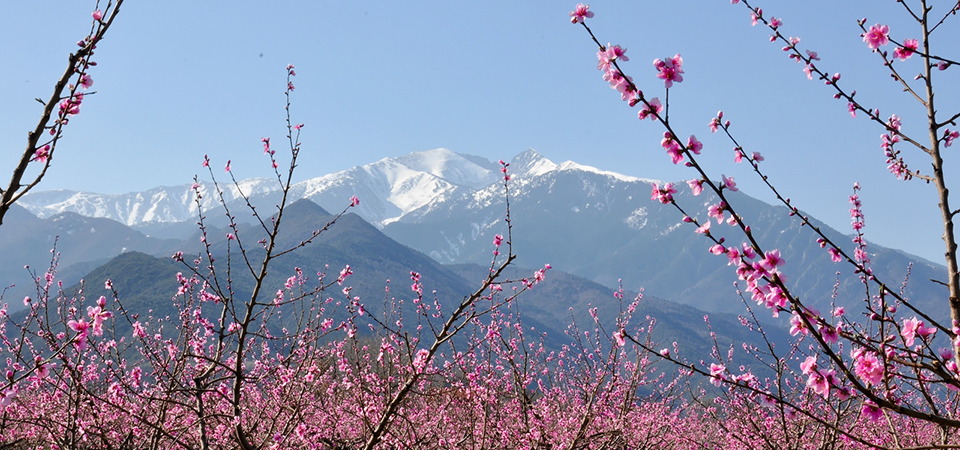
[
  {"x": 163, "y": 204},
  {"x": 389, "y": 189},
  {"x": 594, "y": 223}
]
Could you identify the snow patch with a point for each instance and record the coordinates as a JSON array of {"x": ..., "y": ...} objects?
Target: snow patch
[{"x": 637, "y": 219}]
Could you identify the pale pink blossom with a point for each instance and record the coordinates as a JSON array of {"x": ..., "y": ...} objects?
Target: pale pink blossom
[
  {"x": 650, "y": 109},
  {"x": 729, "y": 183},
  {"x": 614, "y": 52},
  {"x": 580, "y": 13},
  {"x": 86, "y": 81},
  {"x": 696, "y": 186},
  {"x": 663, "y": 194},
  {"x": 716, "y": 374},
  {"x": 704, "y": 229}
]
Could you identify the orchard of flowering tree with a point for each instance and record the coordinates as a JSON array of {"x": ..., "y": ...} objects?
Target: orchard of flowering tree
[{"x": 242, "y": 363}]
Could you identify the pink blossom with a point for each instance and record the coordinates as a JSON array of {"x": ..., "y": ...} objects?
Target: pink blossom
[
  {"x": 868, "y": 367},
  {"x": 663, "y": 195},
  {"x": 772, "y": 260},
  {"x": 729, "y": 183},
  {"x": 650, "y": 109},
  {"x": 852, "y": 108},
  {"x": 717, "y": 249},
  {"x": 97, "y": 15},
  {"x": 757, "y": 157},
  {"x": 775, "y": 23},
  {"x": 227, "y": 167},
  {"x": 618, "y": 337},
  {"x": 43, "y": 369},
  {"x": 733, "y": 255},
  {"x": 871, "y": 411},
  {"x": 834, "y": 254},
  {"x": 714, "y": 124},
  {"x": 696, "y": 186},
  {"x": 809, "y": 365},
  {"x": 895, "y": 122},
  {"x": 354, "y": 201},
  {"x": 716, "y": 372},
  {"x": 909, "y": 330},
  {"x": 813, "y": 55},
  {"x": 97, "y": 316},
  {"x": 949, "y": 136},
  {"x": 906, "y": 51},
  {"x": 767, "y": 401},
  {"x": 672, "y": 147},
  {"x": 6, "y": 399},
  {"x": 580, "y": 13},
  {"x": 716, "y": 211},
  {"x": 83, "y": 330},
  {"x": 42, "y": 154},
  {"x": 797, "y": 325},
  {"x": 346, "y": 272},
  {"x": 669, "y": 70},
  {"x": 818, "y": 383},
  {"x": 616, "y": 52},
  {"x": 694, "y": 145},
  {"x": 877, "y": 36},
  {"x": 704, "y": 229},
  {"x": 420, "y": 361},
  {"x": 829, "y": 334},
  {"x": 266, "y": 146},
  {"x": 86, "y": 81}
]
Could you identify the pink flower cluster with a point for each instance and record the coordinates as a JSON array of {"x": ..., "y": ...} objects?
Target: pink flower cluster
[
  {"x": 670, "y": 70},
  {"x": 895, "y": 163}
]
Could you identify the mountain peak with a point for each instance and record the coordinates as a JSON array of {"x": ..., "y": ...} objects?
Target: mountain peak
[
  {"x": 531, "y": 163},
  {"x": 473, "y": 172}
]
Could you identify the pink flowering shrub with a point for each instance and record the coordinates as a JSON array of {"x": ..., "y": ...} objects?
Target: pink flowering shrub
[
  {"x": 874, "y": 378},
  {"x": 307, "y": 364}
]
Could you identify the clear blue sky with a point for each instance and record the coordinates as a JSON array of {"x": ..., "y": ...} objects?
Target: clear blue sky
[{"x": 180, "y": 79}]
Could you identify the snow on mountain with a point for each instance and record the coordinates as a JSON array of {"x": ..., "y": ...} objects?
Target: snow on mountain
[
  {"x": 458, "y": 169},
  {"x": 388, "y": 189},
  {"x": 158, "y": 205}
]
